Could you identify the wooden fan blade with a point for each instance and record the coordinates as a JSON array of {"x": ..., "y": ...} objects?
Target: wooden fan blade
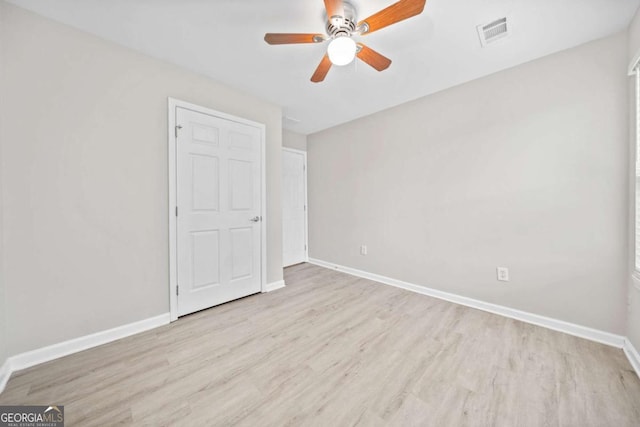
[
  {"x": 289, "y": 38},
  {"x": 373, "y": 58},
  {"x": 322, "y": 70},
  {"x": 395, "y": 13},
  {"x": 334, "y": 8}
]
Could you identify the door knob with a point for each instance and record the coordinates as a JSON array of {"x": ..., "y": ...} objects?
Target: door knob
[{"x": 255, "y": 219}]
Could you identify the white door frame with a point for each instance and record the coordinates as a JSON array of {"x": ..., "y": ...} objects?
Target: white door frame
[
  {"x": 306, "y": 200},
  {"x": 173, "y": 238}
]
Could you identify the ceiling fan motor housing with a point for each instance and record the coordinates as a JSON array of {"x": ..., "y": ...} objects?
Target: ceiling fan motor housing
[{"x": 338, "y": 26}]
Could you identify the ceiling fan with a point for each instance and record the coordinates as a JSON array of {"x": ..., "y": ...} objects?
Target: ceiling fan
[{"x": 341, "y": 26}]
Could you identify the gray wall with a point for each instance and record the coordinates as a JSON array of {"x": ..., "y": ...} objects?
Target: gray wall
[
  {"x": 3, "y": 309},
  {"x": 84, "y": 142},
  {"x": 526, "y": 168},
  {"x": 294, "y": 140},
  {"x": 633, "y": 322}
]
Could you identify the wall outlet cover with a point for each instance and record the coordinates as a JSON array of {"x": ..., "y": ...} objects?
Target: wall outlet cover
[{"x": 502, "y": 273}]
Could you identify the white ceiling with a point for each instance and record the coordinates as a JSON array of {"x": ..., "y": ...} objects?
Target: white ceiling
[{"x": 223, "y": 39}]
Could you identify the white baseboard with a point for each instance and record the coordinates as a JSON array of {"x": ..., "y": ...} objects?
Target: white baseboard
[
  {"x": 632, "y": 355},
  {"x": 5, "y": 374},
  {"x": 535, "y": 319},
  {"x": 55, "y": 351},
  {"x": 45, "y": 354},
  {"x": 274, "y": 286}
]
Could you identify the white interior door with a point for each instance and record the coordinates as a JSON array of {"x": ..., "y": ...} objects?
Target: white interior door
[
  {"x": 294, "y": 207},
  {"x": 218, "y": 228}
]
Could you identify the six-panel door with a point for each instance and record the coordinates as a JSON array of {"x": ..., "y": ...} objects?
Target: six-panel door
[{"x": 219, "y": 196}]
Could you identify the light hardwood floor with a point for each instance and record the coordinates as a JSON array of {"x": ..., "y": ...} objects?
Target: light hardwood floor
[{"x": 332, "y": 350}]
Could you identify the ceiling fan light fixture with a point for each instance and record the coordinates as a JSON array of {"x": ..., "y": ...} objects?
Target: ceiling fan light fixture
[
  {"x": 341, "y": 25},
  {"x": 342, "y": 50}
]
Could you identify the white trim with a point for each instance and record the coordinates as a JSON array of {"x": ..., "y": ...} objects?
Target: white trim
[
  {"x": 263, "y": 208},
  {"x": 295, "y": 150},
  {"x": 535, "y": 319},
  {"x": 633, "y": 65},
  {"x": 173, "y": 192},
  {"x": 55, "y": 351},
  {"x": 635, "y": 174},
  {"x": 172, "y": 176},
  {"x": 5, "y": 374},
  {"x": 632, "y": 355},
  {"x": 273, "y": 286},
  {"x": 306, "y": 200}
]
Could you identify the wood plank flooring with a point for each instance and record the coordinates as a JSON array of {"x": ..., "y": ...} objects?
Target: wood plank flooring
[{"x": 335, "y": 350}]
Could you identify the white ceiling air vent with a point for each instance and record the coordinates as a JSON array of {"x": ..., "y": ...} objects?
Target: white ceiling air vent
[
  {"x": 289, "y": 119},
  {"x": 493, "y": 31}
]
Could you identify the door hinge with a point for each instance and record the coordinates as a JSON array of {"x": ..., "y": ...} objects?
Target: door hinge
[
  {"x": 176, "y": 211},
  {"x": 304, "y": 168},
  {"x": 305, "y": 208},
  {"x": 178, "y": 127},
  {"x": 305, "y": 247},
  {"x": 177, "y": 290}
]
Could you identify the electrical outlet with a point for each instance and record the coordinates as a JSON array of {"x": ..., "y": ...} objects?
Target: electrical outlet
[
  {"x": 503, "y": 274},
  {"x": 363, "y": 250}
]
